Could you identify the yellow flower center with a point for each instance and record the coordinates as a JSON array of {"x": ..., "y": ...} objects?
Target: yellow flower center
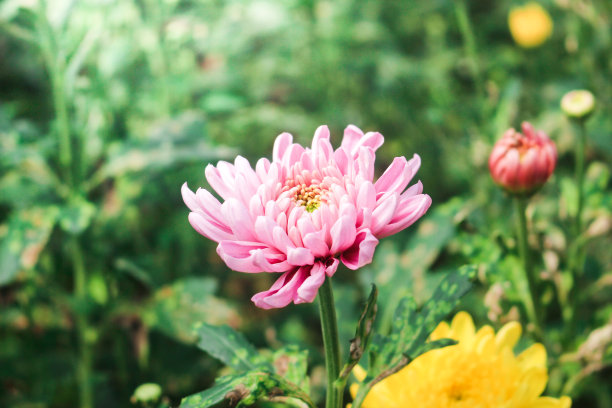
[{"x": 309, "y": 196}]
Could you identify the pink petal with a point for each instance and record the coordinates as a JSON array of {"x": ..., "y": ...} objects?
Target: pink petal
[
  {"x": 307, "y": 292},
  {"x": 238, "y": 255},
  {"x": 352, "y": 135},
  {"x": 283, "y": 291},
  {"x": 384, "y": 211},
  {"x": 238, "y": 219},
  {"x": 372, "y": 140},
  {"x": 361, "y": 252},
  {"x": 416, "y": 188},
  {"x": 300, "y": 256},
  {"x": 189, "y": 198},
  {"x": 315, "y": 242},
  {"x": 398, "y": 174},
  {"x": 322, "y": 133},
  {"x": 332, "y": 267},
  {"x": 406, "y": 214},
  {"x": 207, "y": 228},
  {"x": 366, "y": 197},
  {"x": 365, "y": 163},
  {"x": 213, "y": 176},
  {"x": 282, "y": 142},
  {"x": 343, "y": 234}
]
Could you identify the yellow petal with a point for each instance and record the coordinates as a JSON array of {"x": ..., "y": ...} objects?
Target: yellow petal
[
  {"x": 531, "y": 386},
  {"x": 359, "y": 373},
  {"x": 548, "y": 402},
  {"x": 462, "y": 327},
  {"x": 442, "y": 331},
  {"x": 534, "y": 356},
  {"x": 508, "y": 335},
  {"x": 354, "y": 388}
]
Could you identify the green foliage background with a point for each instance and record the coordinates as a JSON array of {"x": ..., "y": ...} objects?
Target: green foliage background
[{"x": 144, "y": 93}]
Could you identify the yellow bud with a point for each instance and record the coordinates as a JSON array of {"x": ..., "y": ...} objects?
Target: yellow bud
[{"x": 530, "y": 25}]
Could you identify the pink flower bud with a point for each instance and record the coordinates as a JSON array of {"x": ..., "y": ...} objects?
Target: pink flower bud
[{"x": 521, "y": 163}]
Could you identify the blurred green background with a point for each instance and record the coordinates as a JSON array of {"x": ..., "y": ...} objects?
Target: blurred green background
[{"x": 108, "y": 106}]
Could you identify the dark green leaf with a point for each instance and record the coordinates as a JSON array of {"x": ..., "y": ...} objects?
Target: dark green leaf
[
  {"x": 177, "y": 308},
  {"x": 228, "y": 346},
  {"x": 245, "y": 389},
  {"x": 291, "y": 363},
  {"x": 363, "y": 333},
  {"x": 76, "y": 217}
]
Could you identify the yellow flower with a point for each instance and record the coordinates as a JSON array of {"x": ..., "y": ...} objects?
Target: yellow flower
[
  {"x": 481, "y": 371},
  {"x": 530, "y": 25}
]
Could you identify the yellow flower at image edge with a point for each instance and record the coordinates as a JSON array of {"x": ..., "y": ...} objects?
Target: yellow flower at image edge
[
  {"x": 530, "y": 25},
  {"x": 481, "y": 371}
]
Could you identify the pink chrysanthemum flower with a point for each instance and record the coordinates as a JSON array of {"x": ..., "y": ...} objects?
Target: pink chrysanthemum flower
[{"x": 308, "y": 207}]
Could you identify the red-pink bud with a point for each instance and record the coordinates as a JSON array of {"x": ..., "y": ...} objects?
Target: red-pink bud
[{"x": 521, "y": 163}]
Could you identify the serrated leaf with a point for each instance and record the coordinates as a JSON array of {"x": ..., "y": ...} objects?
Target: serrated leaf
[
  {"x": 22, "y": 239},
  {"x": 229, "y": 346},
  {"x": 363, "y": 333},
  {"x": 245, "y": 389}
]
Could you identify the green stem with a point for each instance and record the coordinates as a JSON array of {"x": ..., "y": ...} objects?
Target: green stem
[
  {"x": 469, "y": 42},
  {"x": 532, "y": 301},
  {"x": 329, "y": 328},
  {"x": 580, "y": 149},
  {"x": 82, "y": 326},
  {"x": 56, "y": 67}
]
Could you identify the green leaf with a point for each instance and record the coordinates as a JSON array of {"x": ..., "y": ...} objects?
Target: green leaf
[
  {"x": 172, "y": 142},
  {"x": 291, "y": 363},
  {"x": 246, "y": 389},
  {"x": 22, "y": 239},
  {"x": 177, "y": 308},
  {"x": 229, "y": 346},
  {"x": 411, "y": 265},
  {"x": 363, "y": 333},
  {"x": 569, "y": 195},
  {"x": 77, "y": 216}
]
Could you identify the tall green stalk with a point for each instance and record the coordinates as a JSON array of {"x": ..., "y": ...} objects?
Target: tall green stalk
[
  {"x": 469, "y": 42},
  {"x": 532, "y": 302},
  {"x": 580, "y": 149},
  {"x": 56, "y": 65},
  {"x": 329, "y": 327},
  {"x": 85, "y": 355}
]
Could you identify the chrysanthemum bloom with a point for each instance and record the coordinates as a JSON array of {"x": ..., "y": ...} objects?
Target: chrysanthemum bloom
[
  {"x": 578, "y": 104},
  {"x": 481, "y": 371},
  {"x": 530, "y": 25},
  {"x": 521, "y": 163},
  {"x": 308, "y": 208}
]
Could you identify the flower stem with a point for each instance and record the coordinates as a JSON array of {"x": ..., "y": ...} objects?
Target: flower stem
[
  {"x": 329, "y": 328},
  {"x": 580, "y": 148},
  {"x": 532, "y": 301},
  {"x": 56, "y": 67},
  {"x": 82, "y": 326},
  {"x": 469, "y": 42}
]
